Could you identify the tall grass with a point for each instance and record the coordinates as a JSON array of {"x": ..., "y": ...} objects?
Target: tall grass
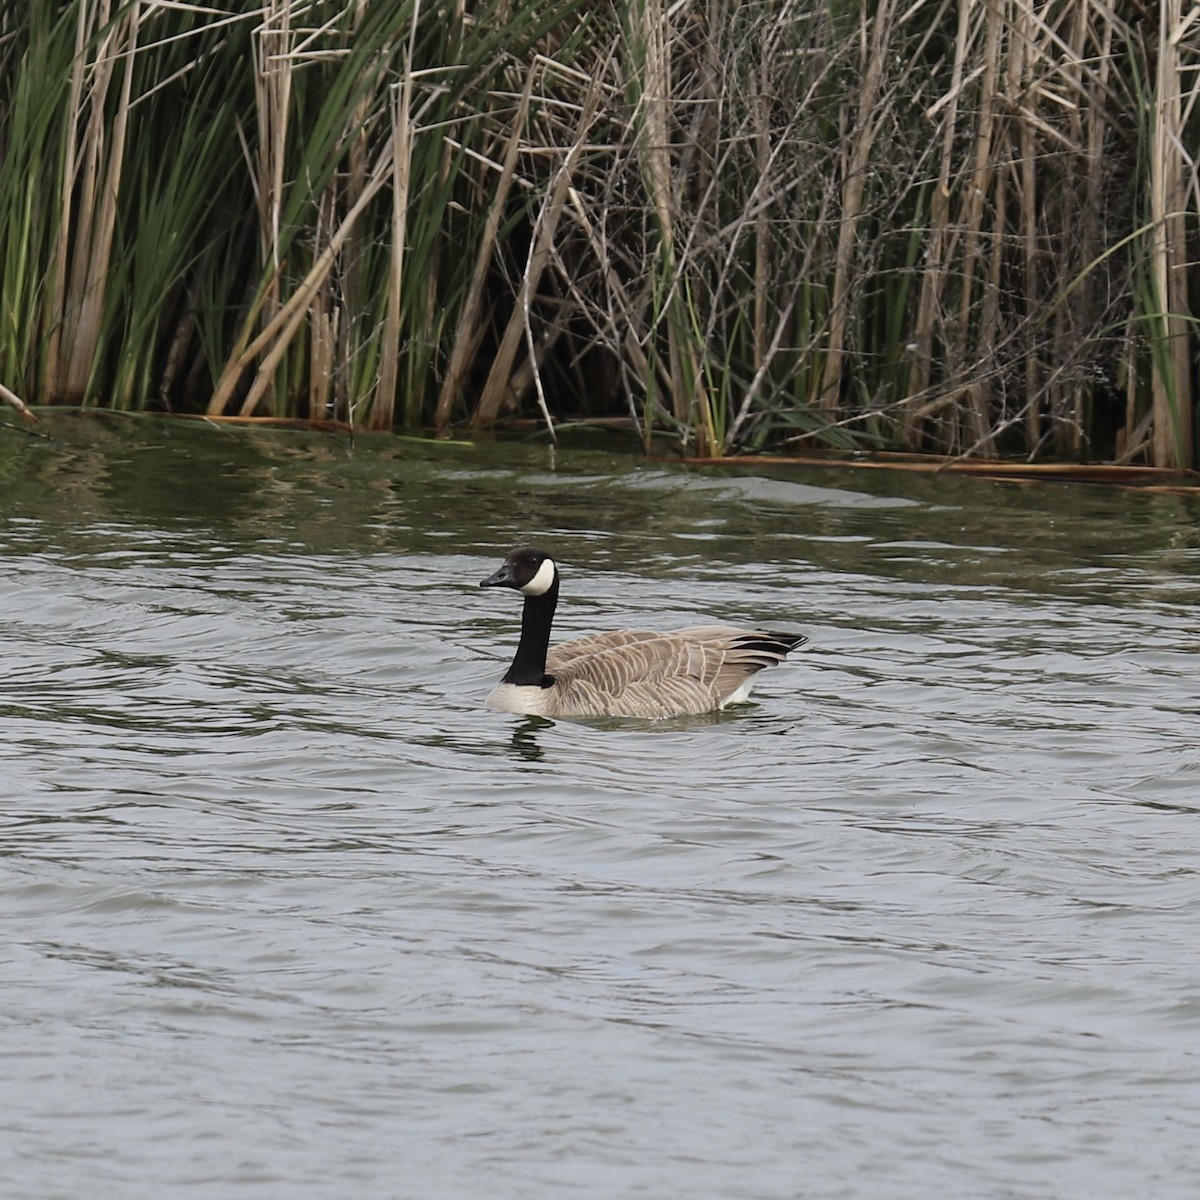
[{"x": 966, "y": 227}]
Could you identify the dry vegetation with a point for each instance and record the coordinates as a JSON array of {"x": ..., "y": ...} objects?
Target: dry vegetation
[{"x": 964, "y": 227}]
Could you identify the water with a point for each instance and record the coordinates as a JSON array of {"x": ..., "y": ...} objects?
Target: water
[{"x": 288, "y": 913}]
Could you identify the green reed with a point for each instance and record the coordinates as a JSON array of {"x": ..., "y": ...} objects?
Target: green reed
[{"x": 744, "y": 225}]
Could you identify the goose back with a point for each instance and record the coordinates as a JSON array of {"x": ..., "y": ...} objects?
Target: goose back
[{"x": 642, "y": 673}]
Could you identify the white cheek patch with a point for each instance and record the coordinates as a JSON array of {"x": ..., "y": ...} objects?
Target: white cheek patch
[{"x": 539, "y": 585}]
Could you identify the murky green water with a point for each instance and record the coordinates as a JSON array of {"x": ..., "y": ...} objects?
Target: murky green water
[{"x": 288, "y": 913}]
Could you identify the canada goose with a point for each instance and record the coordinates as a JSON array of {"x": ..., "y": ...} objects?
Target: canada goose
[{"x": 627, "y": 673}]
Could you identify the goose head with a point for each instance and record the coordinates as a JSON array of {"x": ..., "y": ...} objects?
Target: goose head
[{"x": 530, "y": 572}]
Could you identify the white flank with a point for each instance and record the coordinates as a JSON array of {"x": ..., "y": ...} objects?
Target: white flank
[
  {"x": 740, "y": 694},
  {"x": 513, "y": 698},
  {"x": 539, "y": 585}
]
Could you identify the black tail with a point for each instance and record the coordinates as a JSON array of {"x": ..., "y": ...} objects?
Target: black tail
[{"x": 778, "y": 645}]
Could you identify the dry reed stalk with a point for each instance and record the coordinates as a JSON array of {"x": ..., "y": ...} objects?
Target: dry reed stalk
[
  {"x": 468, "y": 330},
  {"x": 345, "y": 188},
  {"x": 68, "y": 225},
  {"x": 654, "y": 154},
  {"x": 14, "y": 401},
  {"x": 322, "y": 347},
  {"x": 1066, "y": 69},
  {"x": 999, "y": 16},
  {"x": 784, "y": 326},
  {"x": 383, "y": 410},
  {"x": 1134, "y": 439},
  {"x": 323, "y": 321},
  {"x": 874, "y": 36},
  {"x": 273, "y": 66},
  {"x": 279, "y": 331},
  {"x": 431, "y": 307},
  {"x": 931, "y": 302},
  {"x": 1081, "y": 216},
  {"x": 1171, "y": 392},
  {"x": 1099, "y": 133},
  {"x": 619, "y": 319},
  {"x": 978, "y": 187},
  {"x": 760, "y": 106},
  {"x": 81, "y": 302},
  {"x": 499, "y": 382},
  {"x": 1127, "y": 368},
  {"x": 1019, "y": 95},
  {"x": 181, "y": 339}
]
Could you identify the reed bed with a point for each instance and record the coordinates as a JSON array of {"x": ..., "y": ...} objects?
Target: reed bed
[{"x": 965, "y": 228}]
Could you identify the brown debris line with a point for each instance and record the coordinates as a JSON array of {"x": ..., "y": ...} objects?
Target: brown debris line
[
  {"x": 313, "y": 424},
  {"x": 1157, "y": 479},
  {"x": 316, "y": 424}
]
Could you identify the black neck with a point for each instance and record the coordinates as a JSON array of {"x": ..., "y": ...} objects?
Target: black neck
[{"x": 529, "y": 664}]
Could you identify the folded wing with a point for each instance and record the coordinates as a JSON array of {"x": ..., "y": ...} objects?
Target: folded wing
[{"x": 640, "y": 673}]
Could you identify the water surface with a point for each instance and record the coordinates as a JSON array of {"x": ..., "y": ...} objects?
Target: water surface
[{"x": 288, "y": 913}]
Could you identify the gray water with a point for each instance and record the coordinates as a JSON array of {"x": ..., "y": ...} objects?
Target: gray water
[{"x": 287, "y": 913}]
